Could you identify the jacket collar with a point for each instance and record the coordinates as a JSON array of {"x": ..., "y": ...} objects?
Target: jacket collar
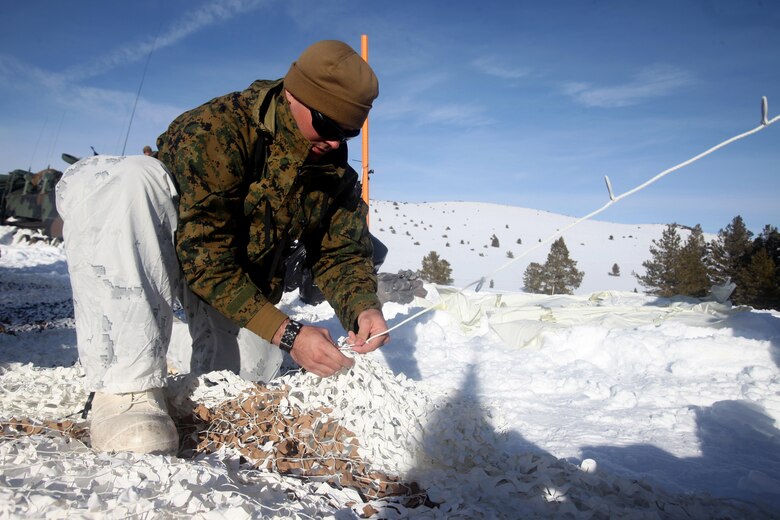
[
  {"x": 287, "y": 134},
  {"x": 273, "y": 110}
]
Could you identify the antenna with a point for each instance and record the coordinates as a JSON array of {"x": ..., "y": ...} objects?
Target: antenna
[
  {"x": 140, "y": 86},
  {"x": 55, "y": 139},
  {"x": 138, "y": 95},
  {"x": 37, "y": 142}
]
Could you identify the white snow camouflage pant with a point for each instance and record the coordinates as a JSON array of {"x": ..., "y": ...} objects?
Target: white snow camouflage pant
[{"x": 120, "y": 220}]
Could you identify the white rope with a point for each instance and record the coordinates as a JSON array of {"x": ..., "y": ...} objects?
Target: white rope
[{"x": 765, "y": 122}]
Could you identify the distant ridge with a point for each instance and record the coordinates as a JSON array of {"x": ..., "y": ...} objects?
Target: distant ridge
[{"x": 412, "y": 230}]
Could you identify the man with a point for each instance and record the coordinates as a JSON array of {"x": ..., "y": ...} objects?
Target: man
[{"x": 255, "y": 172}]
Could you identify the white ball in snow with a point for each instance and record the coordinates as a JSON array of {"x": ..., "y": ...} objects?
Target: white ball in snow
[{"x": 589, "y": 466}]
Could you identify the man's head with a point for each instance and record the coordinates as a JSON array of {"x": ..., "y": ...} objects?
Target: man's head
[
  {"x": 332, "y": 79},
  {"x": 147, "y": 150}
]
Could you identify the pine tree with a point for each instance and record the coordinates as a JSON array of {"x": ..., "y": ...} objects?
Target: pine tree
[
  {"x": 730, "y": 253},
  {"x": 435, "y": 269},
  {"x": 693, "y": 277},
  {"x": 494, "y": 241},
  {"x": 615, "y": 270},
  {"x": 760, "y": 282},
  {"x": 563, "y": 276},
  {"x": 532, "y": 278},
  {"x": 661, "y": 270},
  {"x": 769, "y": 239},
  {"x": 558, "y": 275}
]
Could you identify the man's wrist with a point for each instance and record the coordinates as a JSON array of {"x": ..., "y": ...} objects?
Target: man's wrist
[{"x": 279, "y": 331}]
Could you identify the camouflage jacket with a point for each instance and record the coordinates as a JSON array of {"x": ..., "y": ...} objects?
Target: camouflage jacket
[{"x": 246, "y": 194}]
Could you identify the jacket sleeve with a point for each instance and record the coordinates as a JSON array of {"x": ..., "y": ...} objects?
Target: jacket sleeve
[
  {"x": 209, "y": 161},
  {"x": 344, "y": 268}
]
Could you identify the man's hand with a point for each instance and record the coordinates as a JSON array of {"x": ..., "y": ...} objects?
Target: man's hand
[
  {"x": 315, "y": 351},
  {"x": 370, "y": 323}
]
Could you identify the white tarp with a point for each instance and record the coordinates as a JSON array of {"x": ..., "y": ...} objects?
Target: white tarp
[{"x": 521, "y": 319}]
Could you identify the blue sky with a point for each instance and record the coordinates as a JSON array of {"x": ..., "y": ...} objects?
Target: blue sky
[{"x": 520, "y": 103}]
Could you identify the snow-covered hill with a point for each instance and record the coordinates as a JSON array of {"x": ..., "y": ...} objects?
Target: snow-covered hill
[{"x": 461, "y": 233}]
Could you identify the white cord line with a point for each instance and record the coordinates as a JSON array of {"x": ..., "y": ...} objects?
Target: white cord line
[{"x": 765, "y": 122}]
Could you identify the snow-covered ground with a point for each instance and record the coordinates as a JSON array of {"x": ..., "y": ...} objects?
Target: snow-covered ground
[{"x": 499, "y": 404}]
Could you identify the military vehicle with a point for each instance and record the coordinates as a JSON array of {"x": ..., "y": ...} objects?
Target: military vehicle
[{"x": 27, "y": 200}]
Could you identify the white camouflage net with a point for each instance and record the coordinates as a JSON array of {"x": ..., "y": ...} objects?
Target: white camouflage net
[{"x": 381, "y": 426}]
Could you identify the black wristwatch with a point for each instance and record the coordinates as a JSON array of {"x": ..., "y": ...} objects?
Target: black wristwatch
[{"x": 290, "y": 333}]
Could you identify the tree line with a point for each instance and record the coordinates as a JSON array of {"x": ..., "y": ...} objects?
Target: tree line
[
  {"x": 689, "y": 268},
  {"x": 693, "y": 267}
]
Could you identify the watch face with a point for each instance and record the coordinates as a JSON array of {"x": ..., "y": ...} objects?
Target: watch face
[{"x": 290, "y": 333}]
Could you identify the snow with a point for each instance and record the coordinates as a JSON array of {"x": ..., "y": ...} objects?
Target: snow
[
  {"x": 595, "y": 245},
  {"x": 500, "y": 404}
]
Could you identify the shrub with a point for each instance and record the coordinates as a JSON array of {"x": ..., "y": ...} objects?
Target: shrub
[{"x": 435, "y": 269}]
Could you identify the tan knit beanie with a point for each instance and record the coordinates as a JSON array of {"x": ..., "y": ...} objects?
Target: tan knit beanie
[{"x": 333, "y": 79}]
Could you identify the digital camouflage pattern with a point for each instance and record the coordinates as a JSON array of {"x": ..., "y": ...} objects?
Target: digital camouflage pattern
[
  {"x": 29, "y": 199},
  {"x": 247, "y": 195}
]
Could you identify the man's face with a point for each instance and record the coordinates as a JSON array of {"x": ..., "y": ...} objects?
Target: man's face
[{"x": 303, "y": 116}]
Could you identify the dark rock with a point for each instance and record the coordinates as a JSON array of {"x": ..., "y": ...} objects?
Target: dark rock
[{"x": 400, "y": 288}]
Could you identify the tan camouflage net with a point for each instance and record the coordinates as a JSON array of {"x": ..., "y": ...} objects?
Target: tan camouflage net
[
  {"x": 271, "y": 435},
  {"x": 274, "y": 435},
  {"x": 26, "y": 426}
]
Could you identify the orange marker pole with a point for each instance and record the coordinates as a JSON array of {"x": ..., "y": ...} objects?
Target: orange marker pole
[{"x": 364, "y": 131}]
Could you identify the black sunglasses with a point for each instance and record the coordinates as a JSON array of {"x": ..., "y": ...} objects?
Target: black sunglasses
[{"x": 328, "y": 129}]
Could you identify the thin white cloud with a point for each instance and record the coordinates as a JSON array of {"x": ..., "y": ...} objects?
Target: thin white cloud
[
  {"x": 492, "y": 66},
  {"x": 21, "y": 75},
  {"x": 191, "y": 22},
  {"x": 13, "y": 72},
  {"x": 650, "y": 82},
  {"x": 67, "y": 88},
  {"x": 114, "y": 105},
  {"x": 72, "y": 96},
  {"x": 421, "y": 112},
  {"x": 421, "y": 104},
  {"x": 417, "y": 84},
  {"x": 455, "y": 114}
]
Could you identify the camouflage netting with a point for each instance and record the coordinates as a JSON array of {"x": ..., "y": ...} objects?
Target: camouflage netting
[
  {"x": 275, "y": 435},
  {"x": 350, "y": 441},
  {"x": 25, "y": 426},
  {"x": 267, "y": 430}
]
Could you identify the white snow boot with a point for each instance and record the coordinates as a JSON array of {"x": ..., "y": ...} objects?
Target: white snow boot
[{"x": 137, "y": 422}]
